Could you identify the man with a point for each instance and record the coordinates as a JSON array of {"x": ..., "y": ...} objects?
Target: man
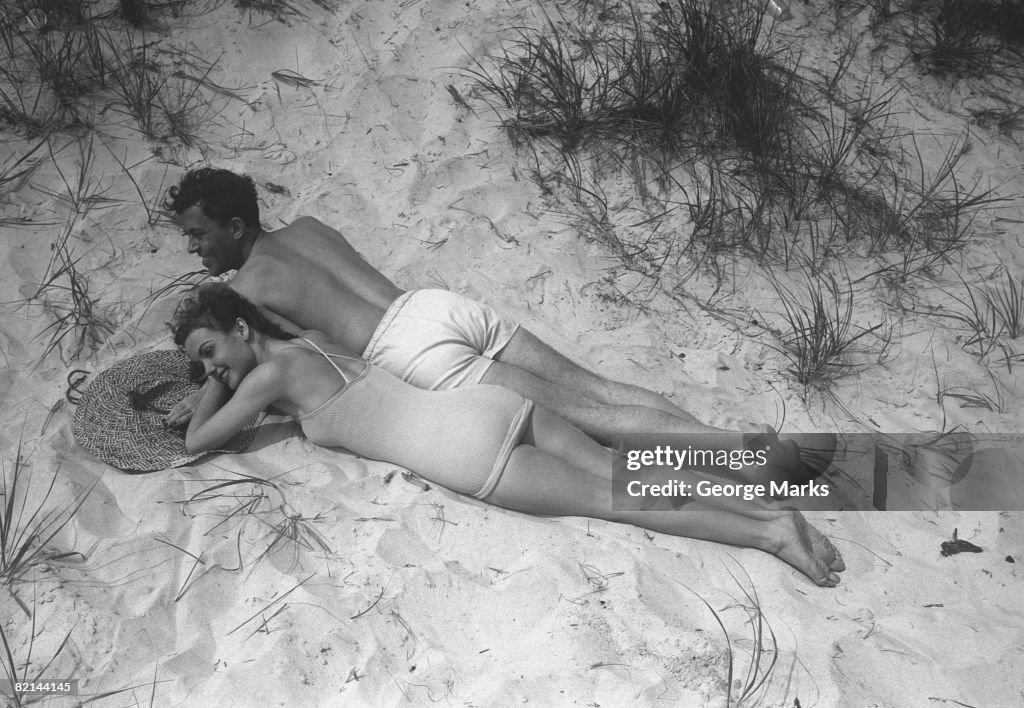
[{"x": 307, "y": 276}]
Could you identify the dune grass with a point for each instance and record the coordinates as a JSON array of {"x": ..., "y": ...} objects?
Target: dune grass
[
  {"x": 992, "y": 313},
  {"x": 10, "y": 665},
  {"x": 698, "y": 106},
  {"x": 79, "y": 321},
  {"x": 140, "y": 14},
  {"x": 820, "y": 334},
  {"x": 66, "y": 81},
  {"x": 165, "y": 105},
  {"x": 953, "y": 39},
  {"x": 248, "y": 503},
  {"x": 67, "y": 75},
  {"x": 1005, "y": 301},
  {"x": 15, "y": 172},
  {"x": 152, "y": 204},
  {"x": 1000, "y": 400},
  {"x": 972, "y": 311},
  {"x": 949, "y": 41},
  {"x": 280, "y": 10},
  {"x": 652, "y": 90},
  {"x": 27, "y": 527},
  {"x": 83, "y": 190},
  {"x": 64, "y": 290},
  {"x": 774, "y": 163},
  {"x": 23, "y": 102},
  {"x": 751, "y": 687},
  {"x": 1005, "y": 121}
]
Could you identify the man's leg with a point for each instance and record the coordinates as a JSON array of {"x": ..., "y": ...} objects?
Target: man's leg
[
  {"x": 613, "y": 425},
  {"x": 529, "y": 353}
]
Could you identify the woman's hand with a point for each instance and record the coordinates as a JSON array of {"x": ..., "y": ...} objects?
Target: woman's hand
[
  {"x": 221, "y": 412},
  {"x": 182, "y": 412}
]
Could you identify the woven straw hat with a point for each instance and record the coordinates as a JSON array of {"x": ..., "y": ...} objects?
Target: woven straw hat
[{"x": 120, "y": 416}]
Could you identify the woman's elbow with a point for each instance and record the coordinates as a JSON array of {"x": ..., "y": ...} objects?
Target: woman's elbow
[{"x": 194, "y": 445}]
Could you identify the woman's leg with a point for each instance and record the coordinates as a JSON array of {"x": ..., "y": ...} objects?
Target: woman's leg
[
  {"x": 550, "y": 433},
  {"x": 562, "y": 472}
]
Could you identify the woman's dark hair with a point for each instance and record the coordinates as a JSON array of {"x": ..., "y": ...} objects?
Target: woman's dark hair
[
  {"x": 221, "y": 194},
  {"x": 216, "y": 306}
]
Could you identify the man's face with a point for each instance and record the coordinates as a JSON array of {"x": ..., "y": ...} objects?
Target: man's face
[{"x": 218, "y": 246}]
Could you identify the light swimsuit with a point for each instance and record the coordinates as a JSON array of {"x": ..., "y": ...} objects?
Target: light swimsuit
[
  {"x": 460, "y": 439},
  {"x": 437, "y": 339}
]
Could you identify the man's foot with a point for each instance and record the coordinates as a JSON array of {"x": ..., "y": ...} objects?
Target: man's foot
[
  {"x": 788, "y": 462},
  {"x": 818, "y": 451},
  {"x": 806, "y": 549}
]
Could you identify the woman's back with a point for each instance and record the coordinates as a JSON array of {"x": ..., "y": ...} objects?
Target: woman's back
[{"x": 459, "y": 438}]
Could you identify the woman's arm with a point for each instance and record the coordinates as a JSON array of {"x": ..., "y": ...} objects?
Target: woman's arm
[{"x": 221, "y": 414}]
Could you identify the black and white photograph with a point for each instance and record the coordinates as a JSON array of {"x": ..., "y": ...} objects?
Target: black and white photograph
[{"x": 512, "y": 352}]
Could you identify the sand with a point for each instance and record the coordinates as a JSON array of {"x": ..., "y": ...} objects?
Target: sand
[{"x": 324, "y": 579}]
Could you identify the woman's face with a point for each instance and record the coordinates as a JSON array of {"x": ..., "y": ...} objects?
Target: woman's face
[{"x": 225, "y": 356}]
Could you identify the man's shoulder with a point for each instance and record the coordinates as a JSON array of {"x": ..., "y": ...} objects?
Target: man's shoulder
[
  {"x": 252, "y": 278},
  {"x": 260, "y": 288},
  {"x": 302, "y": 224},
  {"x": 308, "y": 227}
]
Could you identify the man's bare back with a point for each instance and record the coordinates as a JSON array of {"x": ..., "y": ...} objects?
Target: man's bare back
[{"x": 309, "y": 277}]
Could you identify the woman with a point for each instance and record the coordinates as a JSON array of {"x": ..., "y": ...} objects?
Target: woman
[{"x": 485, "y": 441}]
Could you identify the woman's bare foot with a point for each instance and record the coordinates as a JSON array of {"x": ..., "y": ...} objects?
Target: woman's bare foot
[
  {"x": 806, "y": 549},
  {"x": 824, "y": 550}
]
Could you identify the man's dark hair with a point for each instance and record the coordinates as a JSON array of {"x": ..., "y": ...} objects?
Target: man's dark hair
[
  {"x": 216, "y": 306},
  {"x": 221, "y": 194}
]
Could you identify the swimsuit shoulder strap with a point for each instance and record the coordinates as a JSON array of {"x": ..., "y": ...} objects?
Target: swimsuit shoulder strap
[{"x": 331, "y": 357}]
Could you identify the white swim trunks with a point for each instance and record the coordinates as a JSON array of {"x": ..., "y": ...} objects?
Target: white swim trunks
[{"x": 437, "y": 339}]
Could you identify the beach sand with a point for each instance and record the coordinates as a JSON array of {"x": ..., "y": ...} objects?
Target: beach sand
[{"x": 319, "y": 578}]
